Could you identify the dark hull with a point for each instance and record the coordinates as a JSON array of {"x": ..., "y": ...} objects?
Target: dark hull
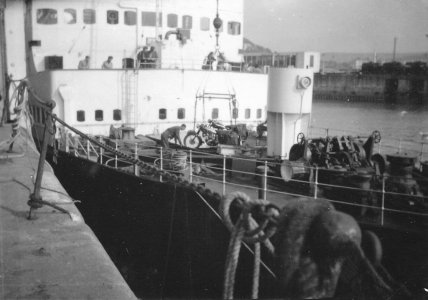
[{"x": 165, "y": 241}]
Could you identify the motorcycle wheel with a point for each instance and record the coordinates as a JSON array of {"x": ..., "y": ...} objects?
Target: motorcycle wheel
[{"x": 192, "y": 140}]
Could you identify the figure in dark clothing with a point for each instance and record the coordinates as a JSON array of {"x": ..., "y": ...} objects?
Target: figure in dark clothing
[
  {"x": 152, "y": 58},
  {"x": 172, "y": 132},
  {"x": 142, "y": 58},
  {"x": 208, "y": 62}
]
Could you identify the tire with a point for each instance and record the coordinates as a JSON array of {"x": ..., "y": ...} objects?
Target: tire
[{"x": 192, "y": 140}]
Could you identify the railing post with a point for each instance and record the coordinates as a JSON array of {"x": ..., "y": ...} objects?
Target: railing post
[
  {"x": 115, "y": 155},
  {"x": 136, "y": 167},
  {"x": 224, "y": 174},
  {"x": 190, "y": 167},
  {"x": 316, "y": 183},
  {"x": 67, "y": 142},
  {"x": 383, "y": 202},
  {"x": 101, "y": 151},
  {"x": 87, "y": 149},
  {"x": 161, "y": 162},
  {"x": 35, "y": 198},
  {"x": 265, "y": 181}
]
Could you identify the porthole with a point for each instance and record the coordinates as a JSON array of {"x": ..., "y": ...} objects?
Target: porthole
[{"x": 80, "y": 116}]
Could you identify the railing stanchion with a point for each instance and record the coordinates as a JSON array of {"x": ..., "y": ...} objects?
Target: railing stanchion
[
  {"x": 136, "y": 167},
  {"x": 115, "y": 156},
  {"x": 101, "y": 151},
  {"x": 87, "y": 149},
  {"x": 190, "y": 167},
  {"x": 265, "y": 181},
  {"x": 161, "y": 162},
  {"x": 383, "y": 202},
  {"x": 224, "y": 174},
  {"x": 67, "y": 143},
  {"x": 316, "y": 183}
]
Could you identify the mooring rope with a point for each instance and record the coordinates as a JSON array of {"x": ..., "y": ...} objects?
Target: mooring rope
[{"x": 246, "y": 230}]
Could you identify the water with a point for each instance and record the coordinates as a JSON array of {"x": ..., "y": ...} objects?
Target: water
[{"x": 394, "y": 122}]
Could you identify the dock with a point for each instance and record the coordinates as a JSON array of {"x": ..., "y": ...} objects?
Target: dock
[{"x": 53, "y": 255}]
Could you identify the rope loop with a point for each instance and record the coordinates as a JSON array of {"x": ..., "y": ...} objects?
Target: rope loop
[{"x": 265, "y": 211}]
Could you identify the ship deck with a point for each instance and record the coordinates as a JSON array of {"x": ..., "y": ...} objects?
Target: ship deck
[{"x": 54, "y": 255}]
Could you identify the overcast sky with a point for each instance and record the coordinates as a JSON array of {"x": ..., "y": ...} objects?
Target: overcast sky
[{"x": 337, "y": 25}]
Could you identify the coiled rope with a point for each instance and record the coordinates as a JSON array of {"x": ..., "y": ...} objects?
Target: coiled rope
[{"x": 246, "y": 230}]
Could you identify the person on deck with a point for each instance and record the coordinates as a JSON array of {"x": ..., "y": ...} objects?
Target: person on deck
[
  {"x": 108, "y": 64},
  {"x": 84, "y": 63},
  {"x": 172, "y": 132}
]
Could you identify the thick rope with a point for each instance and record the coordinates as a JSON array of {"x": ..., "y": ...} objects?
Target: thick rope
[
  {"x": 247, "y": 230},
  {"x": 19, "y": 97}
]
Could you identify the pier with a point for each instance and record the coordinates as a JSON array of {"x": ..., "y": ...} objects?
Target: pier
[{"x": 53, "y": 254}]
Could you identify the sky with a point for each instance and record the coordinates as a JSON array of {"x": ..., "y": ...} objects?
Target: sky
[{"x": 338, "y": 25}]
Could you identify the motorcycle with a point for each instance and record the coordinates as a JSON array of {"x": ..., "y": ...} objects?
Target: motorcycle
[{"x": 210, "y": 134}]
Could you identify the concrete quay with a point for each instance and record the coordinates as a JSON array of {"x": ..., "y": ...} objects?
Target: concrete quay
[{"x": 54, "y": 255}]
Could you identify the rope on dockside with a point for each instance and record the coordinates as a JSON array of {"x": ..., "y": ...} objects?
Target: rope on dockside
[
  {"x": 18, "y": 94},
  {"x": 246, "y": 229}
]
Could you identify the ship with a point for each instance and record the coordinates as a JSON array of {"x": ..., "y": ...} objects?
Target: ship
[{"x": 165, "y": 216}]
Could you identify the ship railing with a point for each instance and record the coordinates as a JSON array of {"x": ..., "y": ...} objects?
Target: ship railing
[
  {"x": 227, "y": 179},
  {"x": 190, "y": 64},
  {"x": 387, "y": 145}
]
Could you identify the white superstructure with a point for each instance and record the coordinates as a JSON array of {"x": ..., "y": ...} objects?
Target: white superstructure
[{"x": 48, "y": 38}]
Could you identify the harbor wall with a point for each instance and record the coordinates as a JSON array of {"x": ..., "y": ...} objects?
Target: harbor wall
[{"x": 371, "y": 88}]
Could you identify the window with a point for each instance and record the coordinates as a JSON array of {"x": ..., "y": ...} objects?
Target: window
[
  {"x": 112, "y": 17},
  {"x": 235, "y": 113},
  {"x": 214, "y": 114},
  {"x": 181, "y": 113},
  {"x": 47, "y": 16},
  {"x": 259, "y": 113},
  {"x": 234, "y": 28},
  {"x": 187, "y": 22},
  {"x": 69, "y": 16},
  {"x": 130, "y": 17},
  {"x": 99, "y": 115},
  {"x": 247, "y": 113},
  {"x": 148, "y": 18},
  {"x": 117, "y": 115},
  {"x": 311, "y": 61},
  {"x": 80, "y": 115},
  {"x": 205, "y": 24},
  {"x": 172, "y": 21},
  {"x": 89, "y": 16},
  {"x": 162, "y": 114}
]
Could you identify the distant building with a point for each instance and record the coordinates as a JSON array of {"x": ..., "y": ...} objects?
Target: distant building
[{"x": 308, "y": 60}]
